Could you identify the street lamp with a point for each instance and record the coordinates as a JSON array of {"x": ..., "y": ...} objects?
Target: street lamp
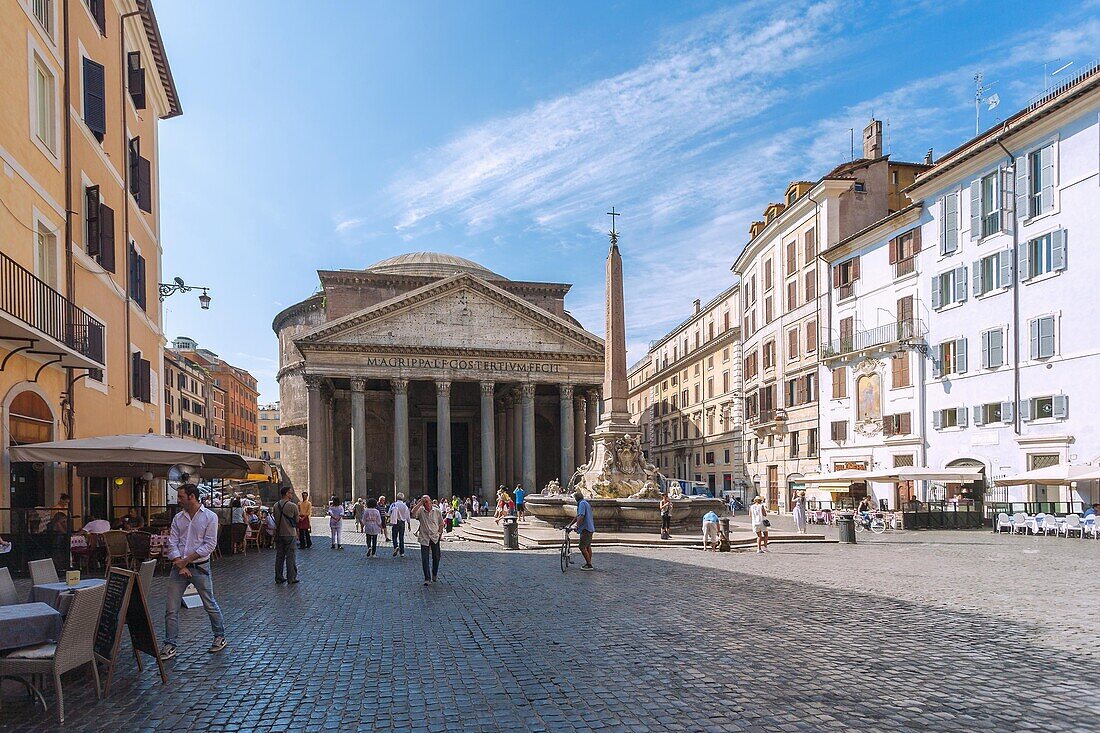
[{"x": 179, "y": 286}]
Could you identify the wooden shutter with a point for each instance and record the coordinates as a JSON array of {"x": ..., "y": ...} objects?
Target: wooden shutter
[
  {"x": 1034, "y": 329},
  {"x": 854, "y": 273},
  {"x": 960, "y": 356},
  {"x": 936, "y": 295},
  {"x": 145, "y": 185},
  {"x": 1004, "y": 262},
  {"x": 1006, "y": 412},
  {"x": 986, "y": 338},
  {"x": 894, "y": 251},
  {"x": 899, "y": 371},
  {"x": 811, "y": 336},
  {"x": 146, "y": 379},
  {"x": 1046, "y": 170},
  {"x": 840, "y": 382},
  {"x": 905, "y": 426},
  {"x": 1023, "y": 271},
  {"x": 1008, "y": 209},
  {"x": 135, "y": 79},
  {"x": 91, "y": 220},
  {"x": 1025, "y": 410},
  {"x": 1046, "y": 336},
  {"x": 836, "y": 276},
  {"x": 961, "y": 417},
  {"x": 132, "y": 159},
  {"x": 914, "y": 243},
  {"x": 1059, "y": 406},
  {"x": 141, "y": 292},
  {"x": 975, "y": 209},
  {"x": 1058, "y": 250},
  {"x": 95, "y": 100},
  {"x": 905, "y": 309},
  {"x": 960, "y": 284},
  {"x": 107, "y": 238},
  {"x": 846, "y": 330},
  {"x": 937, "y": 420},
  {"x": 135, "y": 375},
  {"x": 951, "y": 221},
  {"x": 979, "y": 414},
  {"x": 978, "y": 278},
  {"x": 1022, "y": 187},
  {"x": 888, "y": 426}
]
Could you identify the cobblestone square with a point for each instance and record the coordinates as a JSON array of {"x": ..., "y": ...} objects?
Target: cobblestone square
[{"x": 908, "y": 631}]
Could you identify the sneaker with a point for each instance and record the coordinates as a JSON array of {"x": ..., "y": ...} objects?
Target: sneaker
[
  {"x": 435, "y": 580},
  {"x": 279, "y": 581},
  {"x": 333, "y": 547},
  {"x": 395, "y": 553},
  {"x": 759, "y": 552},
  {"x": 427, "y": 582},
  {"x": 292, "y": 582},
  {"x": 168, "y": 651},
  {"x": 218, "y": 645},
  {"x": 587, "y": 567}
]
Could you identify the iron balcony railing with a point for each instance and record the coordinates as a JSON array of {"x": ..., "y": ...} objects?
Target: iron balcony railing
[
  {"x": 767, "y": 417},
  {"x": 878, "y": 336},
  {"x": 30, "y": 300},
  {"x": 905, "y": 267}
]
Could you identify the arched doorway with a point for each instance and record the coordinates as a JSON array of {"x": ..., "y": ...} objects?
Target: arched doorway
[
  {"x": 969, "y": 492},
  {"x": 30, "y": 420},
  {"x": 795, "y": 484}
]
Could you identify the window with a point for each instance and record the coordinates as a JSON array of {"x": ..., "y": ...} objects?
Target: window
[
  {"x": 140, "y": 176},
  {"x": 792, "y": 257},
  {"x": 792, "y": 295},
  {"x": 949, "y": 223},
  {"x": 949, "y": 288},
  {"x": 989, "y": 210},
  {"x": 137, "y": 277},
  {"x": 993, "y": 348},
  {"x": 1037, "y": 178},
  {"x": 725, "y": 382},
  {"x": 993, "y": 412},
  {"x": 140, "y": 382},
  {"x": 860, "y": 187},
  {"x": 811, "y": 286},
  {"x": 1043, "y": 254},
  {"x": 989, "y": 213},
  {"x": 838, "y": 431},
  {"x": 844, "y": 275},
  {"x": 725, "y": 354},
  {"x": 811, "y": 245},
  {"x": 1042, "y": 337},
  {"x": 900, "y": 424},
  {"x": 768, "y": 351},
  {"x": 951, "y": 358},
  {"x": 1038, "y": 408},
  {"x": 811, "y": 336},
  {"x": 767, "y": 398},
  {"x": 45, "y": 260},
  {"x": 903, "y": 251},
  {"x": 726, "y": 456},
  {"x": 45, "y": 105},
  {"x": 98, "y": 9},
  {"x": 794, "y": 445},
  {"x": 899, "y": 371},
  {"x": 135, "y": 79},
  {"x": 43, "y": 12},
  {"x": 99, "y": 229},
  {"x": 993, "y": 272},
  {"x": 792, "y": 344},
  {"x": 952, "y": 417},
  {"x": 710, "y": 387},
  {"x": 95, "y": 106},
  {"x": 768, "y": 309},
  {"x": 840, "y": 382},
  {"x": 767, "y": 274},
  {"x": 709, "y": 458},
  {"x": 847, "y": 333},
  {"x": 811, "y": 442},
  {"x": 750, "y": 366}
]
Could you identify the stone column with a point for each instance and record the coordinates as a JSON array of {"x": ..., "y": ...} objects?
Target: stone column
[
  {"x": 501, "y": 448},
  {"x": 318, "y": 458},
  {"x": 527, "y": 401},
  {"x": 592, "y": 419},
  {"x": 580, "y": 431},
  {"x": 443, "y": 438},
  {"x": 507, "y": 466},
  {"x": 565, "y": 405},
  {"x": 358, "y": 438},
  {"x": 517, "y": 442},
  {"x": 328, "y": 405},
  {"x": 488, "y": 437},
  {"x": 400, "y": 435}
]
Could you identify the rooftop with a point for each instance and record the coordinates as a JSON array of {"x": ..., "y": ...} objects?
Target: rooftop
[{"x": 431, "y": 264}]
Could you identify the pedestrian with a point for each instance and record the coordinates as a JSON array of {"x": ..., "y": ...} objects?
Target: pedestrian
[
  {"x": 758, "y": 514},
  {"x": 336, "y": 521},
  {"x": 710, "y": 532},
  {"x": 502, "y": 505},
  {"x": 357, "y": 511},
  {"x": 385, "y": 518},
  {"x": 666, "y": 515},
  {"x": 236, "y": 525},
  {"x": 399, "y": 519},
  {"x": 800, "y": 512},
  {"x": 521, "y": 510},
  {"x": 468, "y": 506},
  {"x": 305, "y": 511},
  {"x": 286, "y": 537},
  {"x": 429, "y": 531},
  {"x": 448, "y": 518},
  {"x": 191, "y": 540},
  {"x": 372, "y": 525},
  {"x": 586, "y": 526}
]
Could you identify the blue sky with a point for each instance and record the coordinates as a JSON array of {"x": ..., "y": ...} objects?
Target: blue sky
[{"x": 502, "y": 132}]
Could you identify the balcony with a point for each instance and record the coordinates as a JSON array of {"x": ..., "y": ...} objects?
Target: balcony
[
  {"x": 33, "y": 312},
  {"x": 877, "y": 338},
  {"x": 905, "y": 267},
  {"x": 768, "y": 420}
]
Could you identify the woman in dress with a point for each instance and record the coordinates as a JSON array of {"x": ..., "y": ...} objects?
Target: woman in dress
[
  {"x": 759, "y": 516},
  {"x": 372, "y": 525},
  {"x": 358, "y": 510},
  {"x": 236, "y": 524},
  {"x": 800, "y": 512},
  {"x": 382, "y": 505},
  {"x": 336, "y": 521}
]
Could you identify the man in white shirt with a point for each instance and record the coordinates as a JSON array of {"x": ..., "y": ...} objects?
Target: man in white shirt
[
  {"x": 193, "y": 537},
  {"x": 429, "y": 532},
  {"x": 399, "y": 519}
]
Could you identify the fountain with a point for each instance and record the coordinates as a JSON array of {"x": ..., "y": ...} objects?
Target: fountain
[{"x": 623, "y": 488}]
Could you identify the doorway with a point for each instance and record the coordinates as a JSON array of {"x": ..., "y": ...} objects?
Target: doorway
[
  {"x": 773, "y": 488},
  {"x": 460, "y": 460}
]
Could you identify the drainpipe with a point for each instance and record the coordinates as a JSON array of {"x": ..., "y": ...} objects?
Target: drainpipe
[
  {"x": 1015, "y": 286},
  {"x": 817, "y": 305},
  {"x": 70, "y": 289},
  {"x": 125, "y": 158}
]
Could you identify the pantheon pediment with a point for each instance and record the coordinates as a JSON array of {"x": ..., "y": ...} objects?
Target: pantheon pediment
[{"x": 459, "y": 313}]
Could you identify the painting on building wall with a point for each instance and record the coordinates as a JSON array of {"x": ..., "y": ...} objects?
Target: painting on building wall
[{"x": 869, "y": 397}]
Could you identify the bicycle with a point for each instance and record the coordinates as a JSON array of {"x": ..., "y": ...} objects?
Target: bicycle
[
  {"x": 566, "y": 560},
  {"x": 871, "y": 523}
]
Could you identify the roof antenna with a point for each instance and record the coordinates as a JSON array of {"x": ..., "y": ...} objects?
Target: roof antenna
[{"x": 852, "y": 142}]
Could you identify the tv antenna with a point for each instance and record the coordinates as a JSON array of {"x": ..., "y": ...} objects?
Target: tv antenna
[
  {"x": 980, "y": 88},
  {"x": 1048, "y": 77}
]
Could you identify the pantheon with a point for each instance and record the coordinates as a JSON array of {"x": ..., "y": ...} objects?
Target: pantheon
[{"x": 429, "y": 373}]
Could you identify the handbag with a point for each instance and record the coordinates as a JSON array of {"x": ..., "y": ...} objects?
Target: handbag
[{"x": 767, "y": 522}]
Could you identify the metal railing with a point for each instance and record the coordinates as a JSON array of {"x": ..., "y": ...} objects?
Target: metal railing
[
  {"x": 32, "y": 301},
  {"x": 765, "y": 417},
  {"x": 878, "y": 336},
  {"x": 905, "y": 267}
]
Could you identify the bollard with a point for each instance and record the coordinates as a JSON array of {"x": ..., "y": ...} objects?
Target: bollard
[
  {"x": 511, "y": 534},
  {"x": 724, "y": 534}
]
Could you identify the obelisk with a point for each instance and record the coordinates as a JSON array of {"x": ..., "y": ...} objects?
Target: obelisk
[{"x": 616, "y": 414}]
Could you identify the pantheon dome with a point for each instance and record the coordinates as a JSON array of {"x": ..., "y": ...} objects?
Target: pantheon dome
[{"x": 431, "y": 264}]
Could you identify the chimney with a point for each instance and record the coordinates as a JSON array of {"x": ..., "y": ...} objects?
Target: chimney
[
  {"x": 696, "y": 306},
  {"x": 872, "y": 140},
  {"x": 928, "y": 157}
]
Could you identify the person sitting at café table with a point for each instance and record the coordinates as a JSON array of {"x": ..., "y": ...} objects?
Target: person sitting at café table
[{"x": 1093, "y": 510}]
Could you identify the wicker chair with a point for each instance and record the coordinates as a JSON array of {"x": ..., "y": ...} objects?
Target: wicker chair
[
  {"x": 8, "y": 596},
  {"x": 138, "y": 544},
  {"x": 117, "y": 547},
  {"x": 43, "y": 571},
  {"x": 73, "y": 649}
]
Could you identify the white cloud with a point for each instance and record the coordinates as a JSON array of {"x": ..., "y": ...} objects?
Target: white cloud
[{"x": 346, "y": 225}]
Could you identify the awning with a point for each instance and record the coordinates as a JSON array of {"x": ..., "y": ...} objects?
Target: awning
[
  {"x": 1060, "y": 475},
  {"x": 956, "y": 474},
  {"x": 133, "y": 455},
  {"x": 846, "y": 477}
]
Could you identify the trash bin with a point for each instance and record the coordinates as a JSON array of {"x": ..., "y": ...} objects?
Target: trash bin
[
  {"x": 846, "y": 523},
  {"x": 511, "y": 534},
  {"x": 724, "y": 534}
]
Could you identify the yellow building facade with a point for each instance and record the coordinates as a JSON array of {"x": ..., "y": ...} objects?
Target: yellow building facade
[{"x": 84, "y": 84}]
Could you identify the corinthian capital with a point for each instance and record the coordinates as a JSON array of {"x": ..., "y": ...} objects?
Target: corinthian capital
[
  {"x": 527, "y": 390},
  {"x": 358, "y": 384},
  {"x": 313, "y": 381},
  {"x": 488, "y": 389},
  {"x": 566, "y": 392},
  {"x": 443, "y": 388},
  {"x": 400, "y": 386}
]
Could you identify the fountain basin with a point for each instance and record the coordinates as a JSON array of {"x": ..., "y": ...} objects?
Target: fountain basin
[{"x": 616, "y": 515}]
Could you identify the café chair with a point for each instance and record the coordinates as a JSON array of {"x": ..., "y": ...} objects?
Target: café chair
[
  {"x": 74, "y": 647},
  {"x": 117, "y": 547},
  {"x": 43, "y": 571},
  {"x": 138, "y": 543},
  {"x": 8, "y": 596}
]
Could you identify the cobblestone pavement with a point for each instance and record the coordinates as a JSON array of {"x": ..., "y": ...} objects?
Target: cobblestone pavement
[{"x": 941, "y": 631}]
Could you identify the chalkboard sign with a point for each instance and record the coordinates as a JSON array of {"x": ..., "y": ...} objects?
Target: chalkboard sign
[{"x": 124, "y": 603}]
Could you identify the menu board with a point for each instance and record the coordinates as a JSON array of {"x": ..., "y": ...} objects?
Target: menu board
[{"x": 124, "y": 604}]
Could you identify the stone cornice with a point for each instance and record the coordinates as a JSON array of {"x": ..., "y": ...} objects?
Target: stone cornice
[
  {"x": 365, "y": 277},
  {"x": 312, "y": 303},
  {"x": 485, "y": 354},
  {"x": 290, "y": 369}
]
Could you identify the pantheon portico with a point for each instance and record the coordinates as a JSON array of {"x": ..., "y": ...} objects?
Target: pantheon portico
[{"x": 432, "y": 374}]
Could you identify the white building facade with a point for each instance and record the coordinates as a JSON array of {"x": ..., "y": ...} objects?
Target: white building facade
[{"x": 1008, "y": 276}]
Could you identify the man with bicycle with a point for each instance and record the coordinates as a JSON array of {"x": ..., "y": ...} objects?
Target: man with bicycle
[{"x": 585, "y": 526}]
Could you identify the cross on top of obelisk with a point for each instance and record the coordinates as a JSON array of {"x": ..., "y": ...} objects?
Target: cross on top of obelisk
[{"x": 614, "y": 234}]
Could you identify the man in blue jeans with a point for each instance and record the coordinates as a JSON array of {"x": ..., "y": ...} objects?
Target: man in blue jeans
[
  {"x": 399, "y": 520},
  {"x": 586, "y": 526},
  {"x": 193, "y": 537}
]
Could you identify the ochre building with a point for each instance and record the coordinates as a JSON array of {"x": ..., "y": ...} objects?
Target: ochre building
[{"x": 428, "y": 373}]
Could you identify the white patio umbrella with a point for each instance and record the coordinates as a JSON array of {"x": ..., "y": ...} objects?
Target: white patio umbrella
[
  {"x": 133, "y": 455},
  {"x": 1059, "y": 475}
]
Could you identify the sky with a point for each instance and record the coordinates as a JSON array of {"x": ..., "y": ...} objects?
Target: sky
[{"x": 331, "y": 135}]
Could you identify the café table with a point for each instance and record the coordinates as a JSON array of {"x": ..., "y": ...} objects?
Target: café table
[
  {"x": 49, "y": 593},
  {"x": 27, "y": 624}
]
